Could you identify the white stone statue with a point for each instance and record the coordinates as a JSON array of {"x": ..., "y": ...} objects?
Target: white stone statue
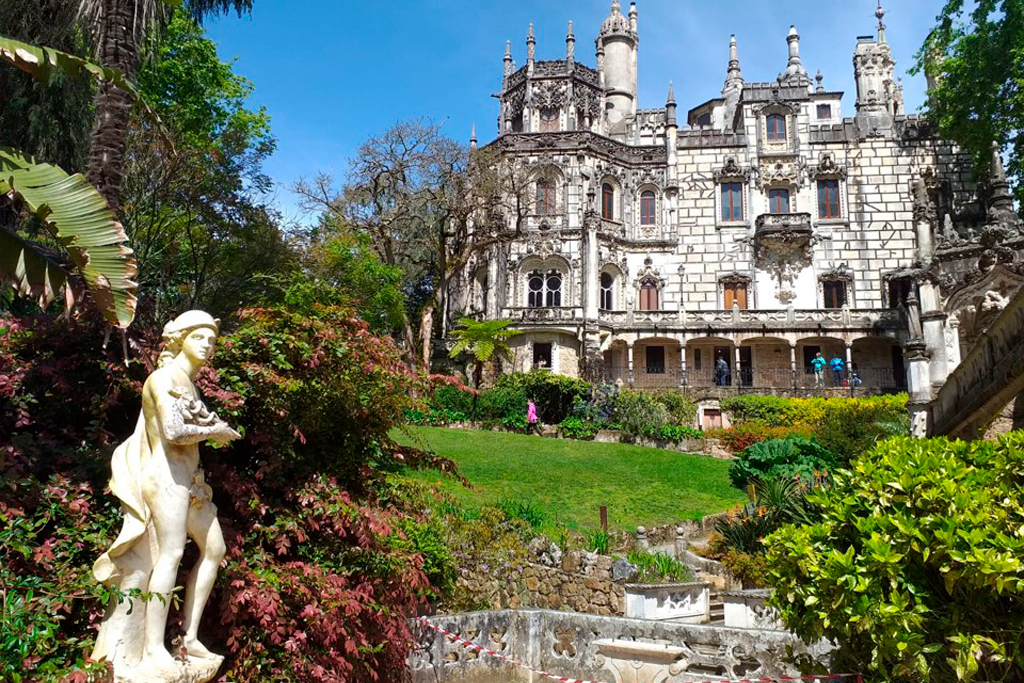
[{"x": 165, "y": 501}]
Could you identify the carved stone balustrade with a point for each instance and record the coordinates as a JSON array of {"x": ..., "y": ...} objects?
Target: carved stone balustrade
[{"x": 782, "y": 230}]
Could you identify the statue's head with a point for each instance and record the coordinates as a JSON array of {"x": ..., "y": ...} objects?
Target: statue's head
[{"x": 194, "y": 334}]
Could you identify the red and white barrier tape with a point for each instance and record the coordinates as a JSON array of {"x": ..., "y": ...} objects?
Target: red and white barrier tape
[{"x": 469, "y": 645}]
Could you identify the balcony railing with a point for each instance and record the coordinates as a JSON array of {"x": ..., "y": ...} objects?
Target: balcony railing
[
  {"x": 782, "y": 228},
  {"x": 756, "y": 378},
  {"x": 738, "y": 317},
  {"x": 552, "y": 314}
]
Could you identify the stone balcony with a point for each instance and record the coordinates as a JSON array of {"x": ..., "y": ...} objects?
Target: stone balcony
[{"x": 773, "y": 229}]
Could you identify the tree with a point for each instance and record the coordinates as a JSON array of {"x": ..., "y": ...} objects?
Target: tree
[
  {"x": 72, "y": 212},
  {"x": 484, "y": 340},
  {"x": 119, "y": 29},
  {"x": 974, "y": 56},
  {"x": 916, "y": 567},
  {"x": 198, "y": 215},
  {"x": 429, "y": 205}
]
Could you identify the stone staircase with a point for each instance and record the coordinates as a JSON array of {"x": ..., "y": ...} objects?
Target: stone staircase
[{"x": 717, "y": 611}]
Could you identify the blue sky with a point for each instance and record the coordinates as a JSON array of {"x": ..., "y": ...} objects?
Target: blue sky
[{"x": 332, "y": 72}]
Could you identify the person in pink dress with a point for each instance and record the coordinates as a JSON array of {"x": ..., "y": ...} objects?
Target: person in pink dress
[{"x": 531, "y": 417}]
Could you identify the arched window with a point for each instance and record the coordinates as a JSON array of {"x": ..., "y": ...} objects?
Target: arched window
[
  {"x": 548, "y": 119},
  {"x": 647, "y": 208},
  {"x": 553, "y": 295},
  {"x": 776, "y": 128},
  {"x": 545, "y": 197},
  {"x": 607, "y": 297},
  {"x": 544, "y": 289},
  {"x": 649, "y": 296},
  {"x": 607, "y": 202}
]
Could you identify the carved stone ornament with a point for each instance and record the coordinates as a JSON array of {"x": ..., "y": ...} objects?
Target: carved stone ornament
[
  {"x": 924, "y": 209},
  {"x": 549, "y": 93},
  {"x": 827, "y": 167},
  {"x": 841, "y": 273},
  {"x": 788, "y": 171},
  {"x": 165, "y": 501},
  {"x": 649, "y": 273},
  {"x": 731, "y": 171},
  {"x": 978, "y": 303}
]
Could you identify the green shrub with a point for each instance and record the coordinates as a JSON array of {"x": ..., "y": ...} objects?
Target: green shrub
[
  {"x": 787, "y": 458},
  {"x": 849, "y": 429},
  {"x": 452, "y": 398},
  {"x": 774, "y": 502},
  {"x": 681, "y": 410},
  {"x": 575, "y": 428},
  {"x": 765, "y": 409},
  {"x": 524, "y": 510},
  {"x": 435, "y": 417},
  {"x": 658, "y": 567},
  {"x": 597, "y": 541},
  {"x": 738, "y": 436},
  {"x": 676, "y": 433},
  {"x": 515, "y": 423},
  {"x": 500, "y": 402},
  {"x": 640, "y": 415},
  {"x": 916, "y": 566},
  {"x": 555, "y": 395}
]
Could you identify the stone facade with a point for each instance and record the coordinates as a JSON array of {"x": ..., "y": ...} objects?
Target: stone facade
[{"x": 762, "y": 229}]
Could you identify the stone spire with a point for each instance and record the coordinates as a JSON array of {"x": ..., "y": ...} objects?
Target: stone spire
[
  {"x": 570, "y": 45},
  {"x": 733, "y": 77},
  {"x": 632, "y": 18},
  {"x": 670, "y": 106},
  {"x": 508, "y": 58},
  {"x": 472, "y": 137},
  {"x": 795, "y": 71},
  {"x": 1000, "y": 208},
  {"x": 531, "y": 43},
  {"x": 818, "y": 78},
  {"x": 879, "y": 14}
]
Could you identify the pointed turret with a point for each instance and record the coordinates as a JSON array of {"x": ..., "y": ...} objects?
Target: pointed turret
[
  {"x": 472, "y": 137},
  {"x": 617, "y": 61},
  {"x": 733, "y": 76},
  {"x": 879, "y": 14},
  {"x": 873, "y": 70},
  {"x": 531, "y": 44},
  {"x": 570, "y": 45},
  {"x": 508, "y": 58},
  {"x": 670, "y": 106},
  {"x": 1000, "y": 206},
  {"x": 795, "y": 73}
]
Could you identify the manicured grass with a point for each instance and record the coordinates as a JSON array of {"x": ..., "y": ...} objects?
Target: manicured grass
[{"x": 569, "y": 480}]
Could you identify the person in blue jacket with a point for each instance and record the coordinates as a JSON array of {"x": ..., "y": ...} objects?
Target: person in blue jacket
[
  {"x": 818, "y": 365},
  {"x": 837, "y": 365}
]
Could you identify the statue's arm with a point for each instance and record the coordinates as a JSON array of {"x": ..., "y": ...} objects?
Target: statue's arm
[{"x": 176, "y": 424}]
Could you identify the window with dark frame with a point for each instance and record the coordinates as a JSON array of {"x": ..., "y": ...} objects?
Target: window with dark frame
[
  {"x": 607, "y": 202},
  {"x": 647, "y": 208},
  {"x": 535, "y": 290},
  {"x": 649, "y": 296},
  {"x": 778, "y": 201},
  {"x": 545, "y": 197},
  {"x": 542, "y": 355},
  {"x": 607, "y": 298},
  {"x": 828, "y": 198},
  {"x": 696, "y": 359},
  {"x": 732, "y": 201},
  {"x": 834, "y": 293},
  {"x": 776, "y": 128},
  {"x": 824, "y": 111},
  {"x": 655, "y": 357},
  {"x": 734, "y": 294},
  {"x": 899, "y": 290}
]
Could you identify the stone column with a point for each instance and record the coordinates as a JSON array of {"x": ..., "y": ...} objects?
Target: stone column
[
  {"x": 641, "y": 538},
  {"x": 792, "y": 364},
  {"x": 680, "y": 544},
  {"x": 683, "y": 379},
  {"x": 933, "y": 323},
  {"x": 915, "y": 354},
  {"x": 629, "y": 362},
  {"x": 491, "y": 304},
  {"x": 736, "y": 373}
]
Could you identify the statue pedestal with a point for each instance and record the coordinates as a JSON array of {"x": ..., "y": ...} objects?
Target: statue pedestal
[{"x": 191, "y": 670}]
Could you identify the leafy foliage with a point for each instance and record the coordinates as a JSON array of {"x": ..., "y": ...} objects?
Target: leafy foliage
[
  {"x": 79, "y": 218},
  {"x": 639, "y": 415},
  {"x": 575, "y": 428},
  {"x": 658, "y": 567},
  {"x": 785, "y": 458},
  {"x": 554, "y": 394},
  {"x": 773, "y": 502},
  {"x": 975, "y": 53},
  {"x": 916, "y": 566}
]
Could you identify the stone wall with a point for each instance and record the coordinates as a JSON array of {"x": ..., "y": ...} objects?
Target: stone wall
[
  {"x": 577, "y": 645},
  {"x": 576, "y": 580}
]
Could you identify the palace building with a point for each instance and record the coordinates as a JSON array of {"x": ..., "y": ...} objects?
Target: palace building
[{"x": 761, "y": 226}]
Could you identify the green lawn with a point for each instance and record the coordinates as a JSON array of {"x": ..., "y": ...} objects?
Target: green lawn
[{"x": 570, "y": 480}]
